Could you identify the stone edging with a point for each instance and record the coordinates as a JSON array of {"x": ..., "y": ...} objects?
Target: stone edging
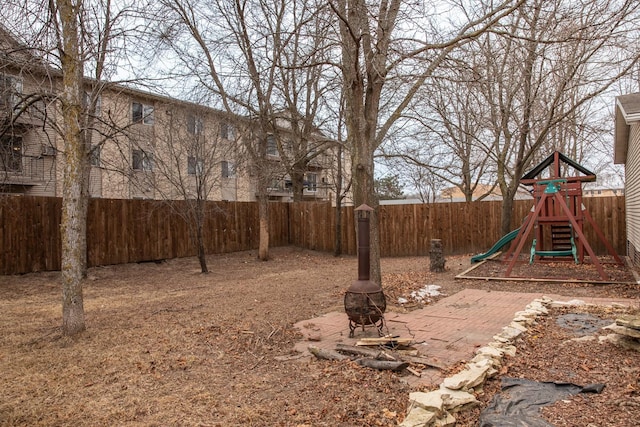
[{"x": 456, "y": 393}]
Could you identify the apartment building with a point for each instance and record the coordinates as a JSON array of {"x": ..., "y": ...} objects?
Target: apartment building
[
  {"x": 151, "y": 147},
  {"x": 142, "y": 145}
]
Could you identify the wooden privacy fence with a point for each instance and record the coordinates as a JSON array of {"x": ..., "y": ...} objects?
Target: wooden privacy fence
[
  {"x": 123, "y": 231},
  {"x": 407, "y": 230}
]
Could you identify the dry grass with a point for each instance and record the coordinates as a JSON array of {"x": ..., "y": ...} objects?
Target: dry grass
[{"x": 167, "y": 345}]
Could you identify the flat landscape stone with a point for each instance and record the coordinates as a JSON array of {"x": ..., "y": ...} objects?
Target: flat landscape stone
[
  {"x": 622, "y": 341},
  {"x": 490, "y": 351},
  {"x": 455, "y": 400},
  {"x": 447, "y": 420},
  {"x": 623, "y": 330},
  {"x": 431, "y": 401},
  {"x": 418, "y": 417},
  {"x": 468, "y": 378},
  {"x": 629, "y": 321}
]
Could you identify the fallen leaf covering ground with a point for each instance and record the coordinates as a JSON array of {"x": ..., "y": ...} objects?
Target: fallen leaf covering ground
[
  {"x": 553, "y": 351},
  {"x": 166, "y": 345},
  {"x": 555, "y": 270}
]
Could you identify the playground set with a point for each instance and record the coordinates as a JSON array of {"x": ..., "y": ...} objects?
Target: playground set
[{"x": 556, "y": 221}]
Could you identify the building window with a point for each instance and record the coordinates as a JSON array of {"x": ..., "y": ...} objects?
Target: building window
[
  {"x": 86, "y": 103},
  {"x": 11, "y": 153},
  {"x": 275, "y": 185},
  {"x": 228, "y": 169},
  {"x": 195, "y": 166},
  {"x": 10, "y": 91},
  {"x": 272, "y": 146},
  {"x": 141, "y": 113},
  {"x": 94, "y": 156},
  {"x": 142, "y": 160},
  {"x": 195, "y": 124},
  {"x": 227, "y": 131},
  {"x": 312, "y": 181}
]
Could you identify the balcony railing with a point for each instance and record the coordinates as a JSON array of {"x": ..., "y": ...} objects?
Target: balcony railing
[{"x": 29, "y": 171}]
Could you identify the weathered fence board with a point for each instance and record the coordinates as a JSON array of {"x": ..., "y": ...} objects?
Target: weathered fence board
[
  {"x": 122, "y": 231},
  {"x": 29, "y": 234}
]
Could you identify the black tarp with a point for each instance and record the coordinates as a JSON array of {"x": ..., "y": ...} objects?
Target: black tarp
[
  {"x": 519, "y": 403},
  {"x": 582, "y": 324}
]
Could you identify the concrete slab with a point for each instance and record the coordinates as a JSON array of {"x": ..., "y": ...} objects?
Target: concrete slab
[{"x": 446, "y": 332}]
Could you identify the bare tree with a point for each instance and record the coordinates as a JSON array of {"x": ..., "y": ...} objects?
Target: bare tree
[
  {"x": 303, "y": 87},
  {"x": 255, "y": 60},
  {"x": 444, "y": 130},
  {"x": 206, "y": 28},
  {"x": 535, "y": 83},
  {"x": 383, "y": 66},
  {"x": 417, "y": 175},
  {"x": 192, "y": 164},
  {"x": 74, "y": 200},
  {"x": 341, "y": 178},
  {"x": 543, "y": 71},
  {"x": 67, "y": 39}
]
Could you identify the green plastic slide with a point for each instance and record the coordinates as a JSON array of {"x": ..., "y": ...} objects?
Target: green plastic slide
[{"x": 495, "y": 248}]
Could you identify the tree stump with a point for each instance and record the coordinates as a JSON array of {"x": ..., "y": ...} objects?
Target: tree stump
[{"x": 437, "y": 259}]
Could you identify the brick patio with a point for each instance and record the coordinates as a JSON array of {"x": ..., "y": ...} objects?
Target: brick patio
[{"x": 446, "y": 332}]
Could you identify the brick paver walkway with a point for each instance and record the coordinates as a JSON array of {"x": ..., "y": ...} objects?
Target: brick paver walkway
[{"x": 445, "y": 333}]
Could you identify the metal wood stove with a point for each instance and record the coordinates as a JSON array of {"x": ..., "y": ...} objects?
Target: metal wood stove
[{"x": 364, "y": 300}]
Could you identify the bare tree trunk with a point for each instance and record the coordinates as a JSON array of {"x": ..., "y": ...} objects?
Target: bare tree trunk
[
  {"x": 74, "y": 203},
  {"x": 507, "y": 212},
  {"x": 505, "y": 218},
  {"x": 340, "y": 191},
  {"x": 363, "y": 83},
  {"x": 73, "y": 252},
  {"x": 202, "y": 255},
  {"x": 364, "y": 193},
  {"x": 340, "y": 195},
  {"x": 297, "y": 183},
  {"x": 337, "y": 250},
  {"x": 263, "y": 213}
]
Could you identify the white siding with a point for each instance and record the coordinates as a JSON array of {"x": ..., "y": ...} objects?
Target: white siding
[
  {"x": 632, "y": 190},
  {"x": 95, "y": 182}
]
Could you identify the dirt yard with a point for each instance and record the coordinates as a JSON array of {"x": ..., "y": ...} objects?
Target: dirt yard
[{"x": 168, "y": 346}]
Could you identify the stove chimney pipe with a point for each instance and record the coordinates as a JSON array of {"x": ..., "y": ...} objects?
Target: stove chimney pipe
[{"x": 364, "y": 241}]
